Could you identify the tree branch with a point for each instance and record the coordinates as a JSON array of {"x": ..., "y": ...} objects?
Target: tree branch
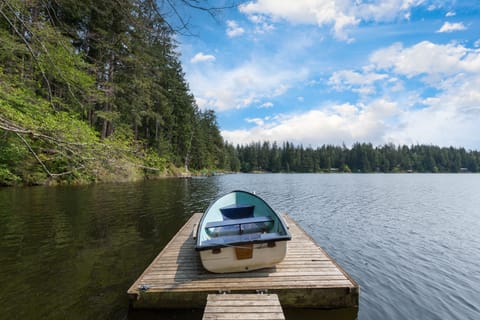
[
  {"x": 174, "y": 5},
  {"x": 35, "y": 155}
]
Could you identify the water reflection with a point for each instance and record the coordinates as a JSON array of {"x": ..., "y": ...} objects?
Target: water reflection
[
  {"x": 71, "y": 252},
  {"x": 411, "y": 241}
]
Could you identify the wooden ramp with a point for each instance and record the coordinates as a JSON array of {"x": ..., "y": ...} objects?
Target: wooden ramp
[
  {"x": 243, "y": 307},
  {"x": 307, "y": 278}
]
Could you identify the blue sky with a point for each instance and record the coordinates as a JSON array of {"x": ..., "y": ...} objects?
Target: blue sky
[{"x": 340, "y": 71}]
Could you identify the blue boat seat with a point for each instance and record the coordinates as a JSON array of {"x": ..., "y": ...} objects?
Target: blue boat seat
[
  {"x": 234, "y": 239},
  {"x": 237, "y": 211},
  {"x": 239, "y": 226},
  {"x": 233, "y": 222},
  {"x": 242, "y": 238}
]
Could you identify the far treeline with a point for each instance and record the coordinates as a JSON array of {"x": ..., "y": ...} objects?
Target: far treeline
[
  {"x": 94, "y": 91},
  {"x": 361, "y": 157}
]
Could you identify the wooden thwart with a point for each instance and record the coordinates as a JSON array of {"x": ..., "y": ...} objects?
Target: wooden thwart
[
  {"x": 306, "y": 278},
  {"x": 243, "y": 307}
]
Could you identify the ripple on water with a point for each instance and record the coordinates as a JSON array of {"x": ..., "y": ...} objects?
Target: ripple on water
[{"x": 411, "y": 241}]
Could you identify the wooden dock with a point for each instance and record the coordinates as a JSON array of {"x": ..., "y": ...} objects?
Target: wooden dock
[
  {"x": 243, "y": 307},
  {"x": 307, "y": 278}
]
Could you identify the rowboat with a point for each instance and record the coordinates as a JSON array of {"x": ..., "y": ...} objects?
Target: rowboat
[{"x": 240, "y": 232}]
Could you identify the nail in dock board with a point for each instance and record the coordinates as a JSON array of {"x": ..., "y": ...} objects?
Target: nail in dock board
[{"x": 307, "y": 278}]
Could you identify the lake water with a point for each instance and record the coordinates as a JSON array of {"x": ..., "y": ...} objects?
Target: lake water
[{"x": 412, "y": 241}]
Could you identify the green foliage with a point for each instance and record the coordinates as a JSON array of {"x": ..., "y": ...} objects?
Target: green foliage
[
  {"x": 94, "y": 91},
  {"x": 7, "y": 178},
  {"x": 154, "y": 161}
]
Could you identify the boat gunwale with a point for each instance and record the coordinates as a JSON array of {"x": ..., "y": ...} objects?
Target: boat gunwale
[{"x": 237, "y": 243}]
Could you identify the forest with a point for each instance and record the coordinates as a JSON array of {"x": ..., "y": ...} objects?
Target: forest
[
  {"x": 94, "y": 91},
  {"x": 361, "y": 157}
]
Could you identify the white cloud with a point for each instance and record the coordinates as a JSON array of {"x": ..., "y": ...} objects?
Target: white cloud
[
  {"x": 266, "y": 105},
  {"x": 441, "y": 123},
  {"x": 201, "y": 57},
  {"x": 261, "y": 24},
  {"x": 280, "y": 90},
  {"x": 303, "y": 11},
  {"x": 426, "y": 58},
  {"x": 383, "y": 10},
  {"x": 340, "y": 123},
  {"x": 449, "y": 116},
  {"x": 340, "y": 15},
  {"x": 451, "y": 27},
  {"x": 449, "y": 119},
  {"x": 450, "y": 14},
  {"x": 223, "y": 89},
  {"x": 257, "y": 121},
  {"x": 358, "y": 82},
  {"x": 233, "y": 29}
]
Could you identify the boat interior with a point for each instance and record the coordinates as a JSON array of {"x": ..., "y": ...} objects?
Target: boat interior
[{"x": 240, "y": 217}]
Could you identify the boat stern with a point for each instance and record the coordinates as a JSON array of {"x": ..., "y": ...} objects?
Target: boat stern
[{"x": 244, "y": 257}]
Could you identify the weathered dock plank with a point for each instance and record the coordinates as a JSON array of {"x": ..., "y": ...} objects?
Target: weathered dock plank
[
  {"x": 307, "y": 278},
  {"x": 243, "y": 307}
]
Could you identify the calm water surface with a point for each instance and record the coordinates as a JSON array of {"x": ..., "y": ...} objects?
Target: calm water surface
[{"x": 411, "y": 241}]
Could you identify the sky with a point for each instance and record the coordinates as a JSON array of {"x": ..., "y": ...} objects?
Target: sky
[{"x": 317, "y": 72}]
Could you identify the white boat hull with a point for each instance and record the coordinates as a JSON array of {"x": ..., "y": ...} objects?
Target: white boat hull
[{"x": 247, "y": 258}]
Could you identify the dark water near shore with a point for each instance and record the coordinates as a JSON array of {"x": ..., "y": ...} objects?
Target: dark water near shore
[{"x": 412, "y": 242}]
